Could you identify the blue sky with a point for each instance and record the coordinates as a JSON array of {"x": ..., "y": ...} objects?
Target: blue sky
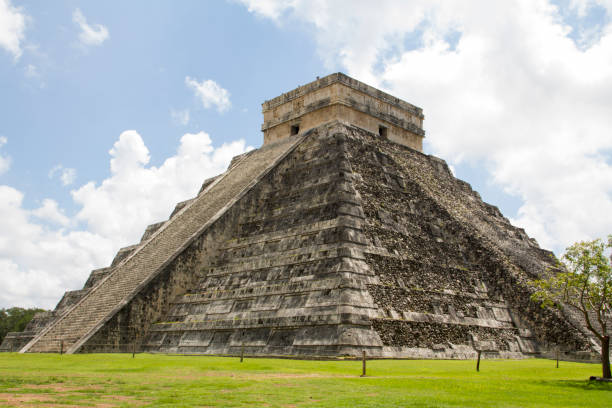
[
  {"x": 83, "y": 97},
  {"x": 111, "y": 112}
]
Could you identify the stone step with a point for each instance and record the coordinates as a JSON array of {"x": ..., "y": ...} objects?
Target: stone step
[
  {"x": 123, "y": 253},
  {"x": 255, "y": 340},
  {"x": 292, "y": 242},
  {"x": 306, "y": 243},
  {"x": 342, "y": 267},
  {"x": 309, "y": 172},
  {"x": 95, "y": 276},
  {"x": 151, "y": 229},
  {"x": 343, "y": 314},
  {"x": 264, "y": 225},
  {"x": 270, "y": 288},
  {"x": 297, "y": 256},
  {"x": 346, "y": 221},
  {"x": 305, "y": 193},
  {"x": 308, "y": 303},
  {"x": 336, "y": 202}
]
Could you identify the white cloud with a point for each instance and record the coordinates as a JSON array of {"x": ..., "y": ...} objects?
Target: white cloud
[
  {"x": 269, "y": 8},
  {"x": 12, "y": 27},
  {"x": 31, "y": 71},
  {"x": 5, "y": 161},
  {"x": 40, "y": 260},
  {"x": 180, "y": 117},
  {"x": 90, "y": 34},
  {"x": 66, "y": 175},
  {"x": 37, "y": 264},
  {"x": 136, "y": 194},
  {"x": 210, "y": 93},
  {"x": 502, "y": 84},
  {"x": 50, "y": 211}
]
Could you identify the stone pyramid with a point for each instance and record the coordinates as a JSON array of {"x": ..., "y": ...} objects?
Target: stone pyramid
[{"x": 338, "y": 235}]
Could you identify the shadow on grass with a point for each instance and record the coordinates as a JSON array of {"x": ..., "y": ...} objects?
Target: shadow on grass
[{"x": 582, "y": 385}]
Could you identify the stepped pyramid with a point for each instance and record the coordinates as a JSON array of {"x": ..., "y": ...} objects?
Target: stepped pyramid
[{"x": 338, "y": 235}]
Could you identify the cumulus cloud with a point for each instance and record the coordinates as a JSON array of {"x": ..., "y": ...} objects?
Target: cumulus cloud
[
  {"x": 12, "y": 27},
  {"x": 50, "y": 211},
  {"x": 90, "y": 35},
  {"x": 503, "y": 84},
  {"x": 5, "y": 161},
  {"x": 38, "y": 263},
  {"x": 44, "y": 252},
  {"x": 180, "y": 117},
  {"x": 210, "y": 94},
  {"x": 137, "y": 194},
  {"x": 66, "y": 175}
]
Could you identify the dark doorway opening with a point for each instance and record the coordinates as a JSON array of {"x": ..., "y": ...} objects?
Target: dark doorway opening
[
  {"x": 295, "y": 129},
  {"x": 382, "y": 131}
]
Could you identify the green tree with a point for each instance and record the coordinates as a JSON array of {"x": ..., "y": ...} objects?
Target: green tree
[
  {"x": 15, "y": 319},
  {"x": 583, "y": 282}
]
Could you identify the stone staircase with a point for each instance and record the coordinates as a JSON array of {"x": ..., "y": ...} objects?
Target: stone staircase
[
  {"x": 289, "y": 278},
  {"x": 131, "y": 275}
]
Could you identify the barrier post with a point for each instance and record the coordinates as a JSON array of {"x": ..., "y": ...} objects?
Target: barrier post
[{"x": 363, "y": 366}]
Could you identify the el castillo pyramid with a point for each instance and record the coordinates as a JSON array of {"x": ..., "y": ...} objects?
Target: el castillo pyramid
[{"x": 338, "y": 235}]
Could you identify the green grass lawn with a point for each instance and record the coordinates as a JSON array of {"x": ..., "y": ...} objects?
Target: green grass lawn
[{"x": 106, "y": 380}]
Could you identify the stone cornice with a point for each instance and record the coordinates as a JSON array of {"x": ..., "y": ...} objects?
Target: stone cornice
[
  {"x": 339, "y": 77},
  {"x": 401, "y": 123}
]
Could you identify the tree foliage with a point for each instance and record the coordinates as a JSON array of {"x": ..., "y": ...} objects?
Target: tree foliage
[
  {"x": 583, "y": 282},
  {"x": 15, "y": 319}
]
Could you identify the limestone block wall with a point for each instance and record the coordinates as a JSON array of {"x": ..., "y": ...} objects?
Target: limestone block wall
[
  {"x": 339, "y": 97},
  {"x": 453, "y": 272},
  {"x": 290, "y": 277}
]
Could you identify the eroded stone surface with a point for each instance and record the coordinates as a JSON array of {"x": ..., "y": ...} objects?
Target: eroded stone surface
[
  {"x": 325, "y": 244},
  {"x": 351, "y": 242}
]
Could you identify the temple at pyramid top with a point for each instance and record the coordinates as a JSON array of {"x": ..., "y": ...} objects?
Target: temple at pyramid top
[{"x": 340, "y": 97}]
